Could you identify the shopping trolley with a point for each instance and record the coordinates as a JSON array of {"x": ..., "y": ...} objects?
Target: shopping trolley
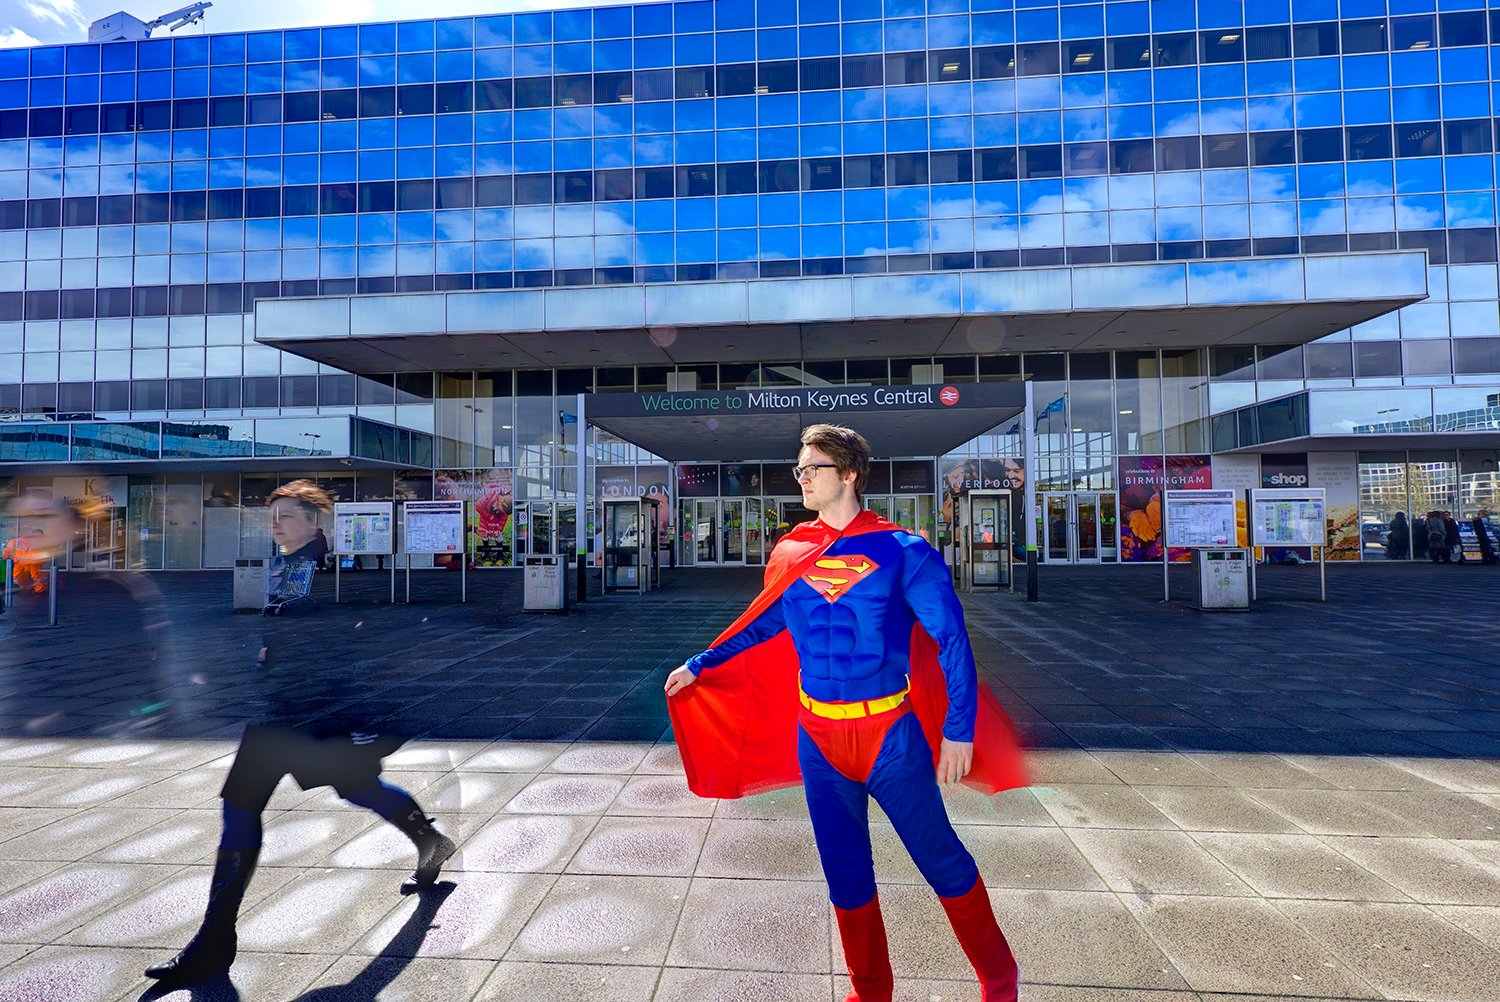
[{"x": 290, "y": 582}]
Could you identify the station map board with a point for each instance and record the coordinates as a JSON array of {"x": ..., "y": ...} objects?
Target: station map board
[
  {"x": 434, "y": 526},
  {"x": 1290, "y": 517},
  {"x": 1200, "y": 518},
  {"x": 364, "y": 527}
]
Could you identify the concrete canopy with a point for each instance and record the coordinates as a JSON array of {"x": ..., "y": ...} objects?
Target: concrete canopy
[{"x": 1182, "y": 304}]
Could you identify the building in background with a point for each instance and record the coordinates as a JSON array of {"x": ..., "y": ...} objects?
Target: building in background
[{"x": 1227, "y": 241}]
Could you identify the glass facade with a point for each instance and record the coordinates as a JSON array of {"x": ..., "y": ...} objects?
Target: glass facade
[{"x": 151, "y": 192}]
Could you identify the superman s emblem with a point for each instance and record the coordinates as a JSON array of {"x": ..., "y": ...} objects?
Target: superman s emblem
[{"x": 831, "y": 577}]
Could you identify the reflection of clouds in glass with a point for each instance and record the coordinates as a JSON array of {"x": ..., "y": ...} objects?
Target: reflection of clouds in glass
[
  {"x": 1471, "y": 209},
  {"x": 1134, "y": 226},
  {"x": 1412, "y": 213},
  {"x": 953, "y": 234},
  {"x": 1086, "y": 228},
  {"x": 1221, "y": 119},
  {"x": 1178, "y": 188},
  {"x": 534, "y": 221},
  {"x": 1041, "y": 230},
  {"x": 1323, "y": 216},
  {"x": 1172, "y": 224},
  {"x": 1273, "y": 219}
]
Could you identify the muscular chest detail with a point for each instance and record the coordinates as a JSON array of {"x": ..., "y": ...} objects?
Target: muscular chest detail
[{"x": 834, "y": 577}]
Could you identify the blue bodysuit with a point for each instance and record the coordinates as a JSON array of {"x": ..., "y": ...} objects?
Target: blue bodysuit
[{"x": 850, "y": 617}]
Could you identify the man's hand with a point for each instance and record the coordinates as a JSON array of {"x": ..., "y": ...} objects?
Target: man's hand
[
  {"x": 955, "y": 759},
  {"x": 680, "y": 679}
]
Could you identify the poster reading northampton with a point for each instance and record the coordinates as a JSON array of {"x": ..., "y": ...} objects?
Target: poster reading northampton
[
  {"x": 490, "y": 528},
  {"x": 1141, "y": 480}
]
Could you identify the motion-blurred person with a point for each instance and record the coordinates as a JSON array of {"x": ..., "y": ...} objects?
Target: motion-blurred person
[
  {"x": 1452, "y": 541},
  {"x": 297, "y": 735},
  {"x": 26, "y": 565},
  {"x": 1481, "y": 526},
  {"x": 1419, "y": 540},
  {"x": 1398, "y": 543},
  {"x": 135, "y": 650},
  {"x": 1437, "y": 538}
]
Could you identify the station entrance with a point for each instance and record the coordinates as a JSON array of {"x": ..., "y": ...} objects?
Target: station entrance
[{"x": 1078, "y": 527}]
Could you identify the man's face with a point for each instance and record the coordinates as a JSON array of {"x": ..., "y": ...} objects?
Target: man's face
[
  {"x": 292, "y": 527},
  {"x": 823, "y": 488}
]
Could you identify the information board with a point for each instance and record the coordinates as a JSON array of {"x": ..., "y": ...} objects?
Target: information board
[
  {"x": 1200, "y": 518},
  {"x": 433, "y": 526},
  {"x": 1287, "y": 517},
  {"x": 364, "y": 527}
]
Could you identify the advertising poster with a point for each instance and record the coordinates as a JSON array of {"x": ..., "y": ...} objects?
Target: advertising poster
[
  {"x": 741, "y": 479},
  {"x": 1141, "y": 480},
  {"x": 655, "y": 483},
  {"x": 698, "y": 480},
  {"x": 1238, "y": 474},
  {"x": 1338, "y": 474},
  {"x": 614, "y": 481},
  {"x": 491, "y": 502},
  {"x": 960, "y": 476}
]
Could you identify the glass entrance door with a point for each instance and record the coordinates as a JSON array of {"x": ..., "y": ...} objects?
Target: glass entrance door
[
  {"x": 1057, "y": 541},
  {"x": 1086, "y": 528},
  {"x": 732, "y": 514},
  {"x": 904, "y": 513},
  {"x": 705, "y": 532},
  {"x": 755, "y": 531}
]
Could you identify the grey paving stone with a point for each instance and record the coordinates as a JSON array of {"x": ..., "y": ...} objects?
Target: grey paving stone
[
  {"x": 1076, "y": 806},
  {"x": 474, "y": 916},
  {"x": 1295, "y": 866},
  {"x": 1431, "y": 871},
  {"x": 398, "y": 979},
  {"x": 1155, "y": 862},
  {"x": 1213, "y": 809},
  {"x": 1157, "y": 769},
  {"x": 1335, "y": 812},
  {"x": 602, "y": 982},
  {"x": 525, "y": 843},
  {"x": 781, "y": 850},
  {"x": 1403, "y": 950},
  {"x": 659, "y": 796},
  {"x": 1483, "y": 923},
  {"x": 1081, "y": 938},
  {"x": 680, "y": 984},
  {"x": 762, "y": 925},
  {"x": 1242, "y": 944},
  {"x": 667, "y": 847},
  {"x": 567, "y": 795},
  {"x": 603, "y": 919}
]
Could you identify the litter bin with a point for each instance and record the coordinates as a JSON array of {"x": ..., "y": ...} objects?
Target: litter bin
[
  {"x": 252, "y": 579},
  {"x": 546, "y": 585},
  {"x": 1221, "y": 579}
]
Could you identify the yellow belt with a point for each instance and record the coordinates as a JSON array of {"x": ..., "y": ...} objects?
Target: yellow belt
[{"x": 853, "y": 711}]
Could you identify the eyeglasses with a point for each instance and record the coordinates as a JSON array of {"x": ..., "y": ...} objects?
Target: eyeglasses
[{"x": 801, "y": 473}]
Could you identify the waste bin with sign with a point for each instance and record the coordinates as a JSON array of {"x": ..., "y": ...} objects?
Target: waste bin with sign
[
  {"x": 252, "y": 579},
  {"x": 1221, "y": 579},
  {"x": 546, "y": 584}
]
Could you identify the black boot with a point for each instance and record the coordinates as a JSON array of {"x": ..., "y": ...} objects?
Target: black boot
[
  {"x": 433, "y": 849},
  {"x": 211, "y": 950}
]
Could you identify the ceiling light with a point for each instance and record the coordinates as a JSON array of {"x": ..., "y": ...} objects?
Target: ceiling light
[
  {"x": 1424, "y": 43},
  {"x": 1083, "y": 59},
  {"x": 1228, "y": 39},
  {"x": 1127, "y": 411},
  {"x": 950, "y": 67}
]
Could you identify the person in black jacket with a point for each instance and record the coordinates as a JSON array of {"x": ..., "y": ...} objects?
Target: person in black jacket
[
  {"x": 1398, "y": 543},
  {"x": 1481, "y": 527},
  {"x": 302, "y": 729},
  {"x": 1452, "y": 541},
  {"x": 1419, "y": 537}
]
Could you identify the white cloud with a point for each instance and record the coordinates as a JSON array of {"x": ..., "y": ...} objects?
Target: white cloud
[
  {"x": 63, "y": 13},
  {"x": 15, "y": 38}
]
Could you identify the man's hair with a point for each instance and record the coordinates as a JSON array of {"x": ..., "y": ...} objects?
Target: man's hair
[
  {"x": 846, "y": 447},
  {"x": 309, "y": 496}
]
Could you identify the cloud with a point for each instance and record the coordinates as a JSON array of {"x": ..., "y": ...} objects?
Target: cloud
[
  {"x": 15, "y": 38},
  {"x": 63, "y": 13}
]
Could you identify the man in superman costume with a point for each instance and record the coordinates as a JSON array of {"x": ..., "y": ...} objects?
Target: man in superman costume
[{"x": 852, "y": 670}]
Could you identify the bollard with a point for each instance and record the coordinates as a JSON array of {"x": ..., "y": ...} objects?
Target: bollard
[
  {"x": 9, "y": 574},
  {"x": 52, "y": 595}
]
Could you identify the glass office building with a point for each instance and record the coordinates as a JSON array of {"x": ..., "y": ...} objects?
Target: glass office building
[{"x": 1230, "y": 242}]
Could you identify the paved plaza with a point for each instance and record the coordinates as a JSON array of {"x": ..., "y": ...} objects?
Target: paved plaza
[{"x": 1302, "y": 802}]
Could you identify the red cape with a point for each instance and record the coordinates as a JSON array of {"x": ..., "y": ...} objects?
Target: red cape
[{"x": 736, "y": 727}]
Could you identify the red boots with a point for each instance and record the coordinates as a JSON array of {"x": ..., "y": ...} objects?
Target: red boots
[
  {"x": 973, "y": 919},
  {"x": 863, "y": 934},
  {"x": 862, "y": 931}
]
